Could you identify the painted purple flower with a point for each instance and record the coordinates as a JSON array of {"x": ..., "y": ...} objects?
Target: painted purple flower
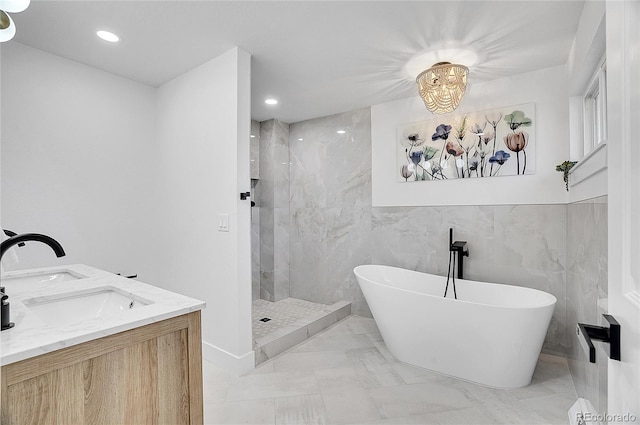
[
  {"x": 416, "y": 157},
  {"x": 500, "y": 157},
  {"x": 474, "y": 161},
  {"x": 405, "y": 172},
  {"x": 442, "y": 132},
  {"x": 411, "y": 139},
  {"x": 415, "y": 140},
  {"x": 486, "y": 138},
  {"x": 477, "y": 129}
]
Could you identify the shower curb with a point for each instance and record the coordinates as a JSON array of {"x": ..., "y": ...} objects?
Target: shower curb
[{"x": 269, "y": 346}]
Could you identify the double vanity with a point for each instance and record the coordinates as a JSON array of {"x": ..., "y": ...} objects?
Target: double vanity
[{"x": 92, "y": 347}]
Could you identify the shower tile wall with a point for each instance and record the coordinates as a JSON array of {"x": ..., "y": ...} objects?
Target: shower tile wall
[
  {"x": 254, "y": 157},
  {"x": 334, "y": 227},
  {"x": 587, "y": 283},
  {"x": 273, "y": 190},
  {"x": 330, "y": 198}
]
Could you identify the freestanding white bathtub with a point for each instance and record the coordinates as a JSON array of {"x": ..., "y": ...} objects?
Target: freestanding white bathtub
[{"x": 492, "y": 334}]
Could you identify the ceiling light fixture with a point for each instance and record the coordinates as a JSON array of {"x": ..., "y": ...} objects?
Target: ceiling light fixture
[
  {"x": 108, "y": 36},
  {"x": 341, "y": 131},
  {"x": 442, "y": 86},
  {"x": 7, "y": 27},
  {"x": 271, "y": 101}
]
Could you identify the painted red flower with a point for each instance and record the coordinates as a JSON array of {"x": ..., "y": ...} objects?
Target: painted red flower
[{"x": 454, "y": 149}]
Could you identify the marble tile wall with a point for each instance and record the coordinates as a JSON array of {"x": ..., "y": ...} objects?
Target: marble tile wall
[
  {"x": 587, "y": 284},
  {"x": 254, "y": 157},
  {"x": 254, "y": 150},
  {"x": 521, "y": 245},
  {"x": 334, "y": 227},
  {"x": 255, "y": 244},
  {"x": 330, "y": 201},
  {"x": 273, "y": 202}
]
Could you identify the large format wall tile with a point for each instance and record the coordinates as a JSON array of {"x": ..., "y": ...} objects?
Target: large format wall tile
[
  {"x": 273, "y": 189},
  {"x": 308, "y": 262},
  {"x": 520, "y": 245},
  {"x": 330, "y": 207},
  {"x": 587, "y": 283}
]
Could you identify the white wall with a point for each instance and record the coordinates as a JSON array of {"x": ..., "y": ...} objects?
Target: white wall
[
  {"x": 131, "y": 179},
  {"x": 76, "y": 146},
  {"x": 203, "y": 164},
  {"x": 546, "y": 88},
  {"x": 0, "y": 133},
  {"x": 588, "y": 178}
]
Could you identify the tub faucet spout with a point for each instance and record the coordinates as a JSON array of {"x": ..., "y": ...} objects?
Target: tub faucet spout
[{"x": 459, "y": 249}]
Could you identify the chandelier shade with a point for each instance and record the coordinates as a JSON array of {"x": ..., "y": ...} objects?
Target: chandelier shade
[
  {"x": 442, "y": 86},
  {"x": 7, "y": 27},
  {"x": 14, "y": 6}
]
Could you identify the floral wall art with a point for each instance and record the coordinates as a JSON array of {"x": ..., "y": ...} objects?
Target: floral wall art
[{"x": 490, "y": 143}]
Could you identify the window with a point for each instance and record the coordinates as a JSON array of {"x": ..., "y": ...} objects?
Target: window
[{"x": 595, "y": 110}]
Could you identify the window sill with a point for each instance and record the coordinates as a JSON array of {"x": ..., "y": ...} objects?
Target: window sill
[{"x": 594, "y": 162}]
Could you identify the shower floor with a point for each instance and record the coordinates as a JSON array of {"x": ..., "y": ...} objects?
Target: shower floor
[{"x": 280, "y": 325}]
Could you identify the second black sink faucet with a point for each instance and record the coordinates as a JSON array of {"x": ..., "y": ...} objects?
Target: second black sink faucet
[{"x": 4, "y": 247}]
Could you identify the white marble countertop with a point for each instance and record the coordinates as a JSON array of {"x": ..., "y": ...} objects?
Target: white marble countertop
[{"x": 32, "y": 336}]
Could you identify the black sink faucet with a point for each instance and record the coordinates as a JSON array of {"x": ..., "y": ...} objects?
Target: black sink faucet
[
  {"x": 10, "y": 233},
  {"x": 4, "y": 247}
]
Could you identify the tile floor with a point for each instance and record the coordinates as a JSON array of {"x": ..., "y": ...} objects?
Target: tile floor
[
  {"x": 282, "y": 313},
  {"x": 292, "y": 321},
  {"x": 345, "y": 375}
]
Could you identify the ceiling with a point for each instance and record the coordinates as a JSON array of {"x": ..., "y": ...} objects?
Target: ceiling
[{"x": 316, "y": 57}]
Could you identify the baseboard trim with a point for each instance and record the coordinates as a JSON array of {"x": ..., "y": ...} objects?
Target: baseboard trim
[{"x": 240, "y": 365}]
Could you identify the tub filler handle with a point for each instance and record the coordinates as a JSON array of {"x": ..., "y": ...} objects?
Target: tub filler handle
[{"x": 609, "y": 334}]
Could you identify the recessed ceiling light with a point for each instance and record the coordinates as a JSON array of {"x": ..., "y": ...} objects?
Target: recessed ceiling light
[
  {"x": 341, "y": 131},
  {"x": 271, "y": 101},
  {"x": 252, "y": 136},
  {"x": 108, "y": 36},
  {"x": 300, "y": 139}
]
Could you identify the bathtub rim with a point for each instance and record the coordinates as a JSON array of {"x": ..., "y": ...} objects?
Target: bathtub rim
[{"x": 552, "y": 301}]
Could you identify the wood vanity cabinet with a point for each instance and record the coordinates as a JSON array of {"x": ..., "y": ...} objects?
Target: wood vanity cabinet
[{"x": 147, "y": 375}]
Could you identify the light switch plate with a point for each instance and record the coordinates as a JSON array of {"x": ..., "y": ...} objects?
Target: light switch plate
[{"x": 223, "y": 222}]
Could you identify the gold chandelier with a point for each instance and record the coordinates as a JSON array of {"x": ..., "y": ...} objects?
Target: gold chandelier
[{"x": 442, "y": 86}]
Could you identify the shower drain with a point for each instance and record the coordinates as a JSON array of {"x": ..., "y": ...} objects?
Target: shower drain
[{"x": 265, "y": 319}]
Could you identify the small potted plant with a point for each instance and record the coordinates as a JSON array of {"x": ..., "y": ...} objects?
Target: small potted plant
[{"x": 564, "y": 168}]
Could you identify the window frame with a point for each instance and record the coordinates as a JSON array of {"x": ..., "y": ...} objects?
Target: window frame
[{"x": 595, "y": 110}]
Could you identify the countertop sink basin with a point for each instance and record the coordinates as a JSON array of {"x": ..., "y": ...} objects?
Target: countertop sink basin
[
  {"x": 58, "y": 307},
  {"x": 43, "y": 278},
  {"x": 79, "y": 306}
]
